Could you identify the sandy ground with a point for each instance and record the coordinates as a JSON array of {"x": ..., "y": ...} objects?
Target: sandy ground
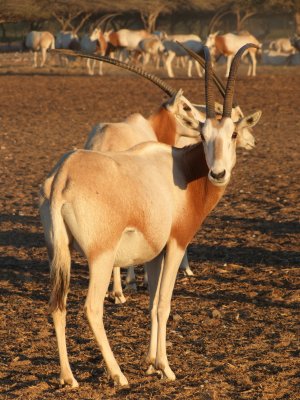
[{"x": 234, "y": 327}]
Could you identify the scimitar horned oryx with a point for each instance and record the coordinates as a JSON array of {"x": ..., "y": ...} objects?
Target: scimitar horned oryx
[
  {"x": 39, "y": 41},
  {"x": 174, "y": 123},
  {"x": 107, "y": 205}
]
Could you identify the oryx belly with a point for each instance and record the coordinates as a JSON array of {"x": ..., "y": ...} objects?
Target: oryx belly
[{"x": 134, "y": 248}]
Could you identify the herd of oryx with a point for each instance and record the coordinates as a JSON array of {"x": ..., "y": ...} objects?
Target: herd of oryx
[
  {"x": 137, "y": 194},
  {"x": 161, "y": 49}
]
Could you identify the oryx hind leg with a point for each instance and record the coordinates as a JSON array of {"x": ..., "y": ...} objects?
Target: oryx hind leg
[
  {"x": 35, "y": 59},
  {"x": 44, "y": 56},
  {"x": 100, "y": 273},
  {"x": 66, "y": 375},
  {"x": 130, "y": 280},
  {"x": 59, "y": 311},
  {"x": 198, "y": 68}
]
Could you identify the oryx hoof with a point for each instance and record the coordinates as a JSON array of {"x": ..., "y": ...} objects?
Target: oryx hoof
[
  {"x": 120, "y": 299},
  {"x": 167, "y": 373},
  {"x": 71, "y": 381},
  {"x": 153, "y": 371},
  {"x": 120, "y": 381},
  {"x": 188, "y": 272}
]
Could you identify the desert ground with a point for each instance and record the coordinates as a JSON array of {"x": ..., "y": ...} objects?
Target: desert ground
[{"x": 233, "y": 332}]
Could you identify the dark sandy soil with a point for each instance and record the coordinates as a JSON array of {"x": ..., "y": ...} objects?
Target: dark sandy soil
[{"x": 234, "y": 327}]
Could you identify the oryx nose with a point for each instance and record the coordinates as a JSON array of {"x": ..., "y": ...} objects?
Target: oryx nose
[{"x": 218, "y": 176}]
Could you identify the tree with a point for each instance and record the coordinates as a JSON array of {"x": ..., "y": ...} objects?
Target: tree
[
  {"x": 27, "y": 10},
  {"x": 151, "y": 9},
  {"x": 32, "y": 11},
  {"x": 71, "y": 12}
]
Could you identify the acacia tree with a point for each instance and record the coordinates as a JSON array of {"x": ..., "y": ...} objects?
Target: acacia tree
[
  {"x": 27, "y": 10},
  {"x": 245, "y": 9},
  {"x": 242, "y": 9},
  {"x": 151, "y": 9},
  {"x": 72, "y": 14},
  {"x": 292, "y": 6},
  {"x": 32, "y": 11}
]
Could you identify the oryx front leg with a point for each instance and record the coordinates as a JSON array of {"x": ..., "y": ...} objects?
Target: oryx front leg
[
  {"x": 190, "y": 65},
  {"x": 100, "y": 71},
  {"x": 161, "y": 289},
  {"x": 229, "y": 60},
  {"x": 252, "y": 65},
  {"x": 90, "y": 66},
  {"x": 100, "y": 273},
  {"x": 168, "y": 64},
  {"x": 154, "y": 272},
  {"x": 173, "y": 257}
]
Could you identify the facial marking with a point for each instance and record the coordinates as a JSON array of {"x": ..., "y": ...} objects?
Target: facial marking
[{"x": 218, "y": 148}]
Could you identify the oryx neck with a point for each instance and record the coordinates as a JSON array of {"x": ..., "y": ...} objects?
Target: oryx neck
[{"x": 164, "y": 126}]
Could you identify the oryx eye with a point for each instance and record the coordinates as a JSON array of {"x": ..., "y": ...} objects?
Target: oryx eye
[
  {"x": 234, "y": 135},
  {"x": 186, "y": 108}
]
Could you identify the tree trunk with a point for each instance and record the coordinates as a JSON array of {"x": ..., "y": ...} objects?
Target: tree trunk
[
  {"x": 216, "y": 19},
  {"x": 3, "y": 31},
  {"x": 297, "y": 22},
  {"x": 240, "y": 20}
]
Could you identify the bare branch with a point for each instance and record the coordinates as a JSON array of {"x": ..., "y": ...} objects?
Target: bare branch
[{"x": 82, "y": 22}]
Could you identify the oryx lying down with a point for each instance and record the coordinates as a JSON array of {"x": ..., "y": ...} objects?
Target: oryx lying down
[{"x": 137, "y": 206}]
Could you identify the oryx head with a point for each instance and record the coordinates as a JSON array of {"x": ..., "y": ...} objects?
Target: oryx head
[
  {"x": 187, "y": 116},
  {"x": 219, "y": 135},
  {"x": 211, "y": 40},
  {"x": 243, "y": 125},
  {"x": 95, "y": 34}
]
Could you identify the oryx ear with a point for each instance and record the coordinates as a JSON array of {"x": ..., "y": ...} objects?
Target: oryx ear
[
  {"x": 218, "y": 108},
  {"x": 202, "y": 112},
  {"x": 174, "y": 100},
  {"x": 249, "y": 121},
  {"x": 178, "y": 95}
]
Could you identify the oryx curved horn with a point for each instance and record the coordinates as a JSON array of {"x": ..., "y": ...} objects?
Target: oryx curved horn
[
  {"x": 218, "y": 82},
  {"x": 209, "y": 97},
  {"x": 152, "y": 78},
  {"x": 227, "y": 107},
  {"x": 104, "y": 22},
  {"x": 105, "y": 18}
]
